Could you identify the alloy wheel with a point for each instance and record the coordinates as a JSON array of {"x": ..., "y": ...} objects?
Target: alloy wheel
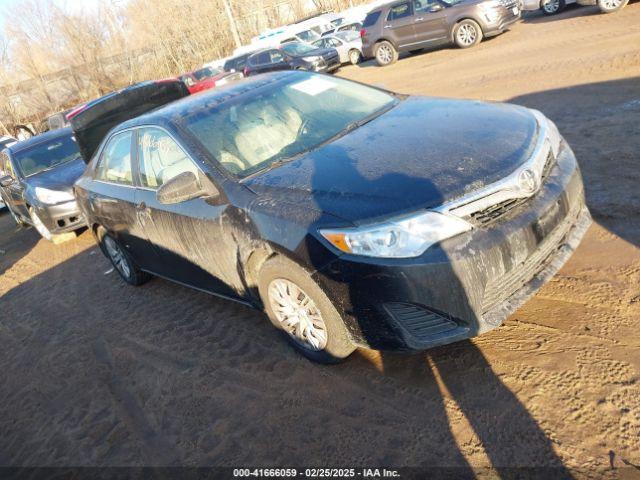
[
  {"x": 354, "y": 56},
  {"x": 117, "y": 256},
  {"x": 384, "y": 54},
  {"x": 298, "y": 314},
  {"x": 611, "y": 4},
  {"x": 552, "y": 6},
  {"x": 467, "y": 34}
]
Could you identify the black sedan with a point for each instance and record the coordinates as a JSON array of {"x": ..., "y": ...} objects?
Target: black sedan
[
  {"x": 353, "y": 216},
  {"x": 293, "y": 56},
  {"x": 36, "y": 182}
]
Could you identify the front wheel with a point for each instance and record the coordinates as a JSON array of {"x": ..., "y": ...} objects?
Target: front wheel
[
  {"x": 611, "y": 6},
  {"x": 40, "y": 227},
  {"x": 551, "y": 7},
  {"x": 354, "y": 56},
  {"x": 297, "y": 306},
  {"x": 467, "y": 34},
  {"x": 385, "y": 53}
]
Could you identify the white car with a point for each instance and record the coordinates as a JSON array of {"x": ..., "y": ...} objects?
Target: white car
[
  {"x": 548, "y": 7},
  {"x": 347, "y": 43}
]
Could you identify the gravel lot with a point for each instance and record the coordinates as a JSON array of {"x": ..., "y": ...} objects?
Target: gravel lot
[{"x": 94, "y": 372}]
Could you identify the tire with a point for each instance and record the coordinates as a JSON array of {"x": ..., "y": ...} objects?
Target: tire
[
  {"x": 39, "y": 226},
  {"x": 354, "y": 56},
  {"x": 281, "y": 280},
  {"x": 123, "y": 264},
  {"x": 552, "y": 7},
  {"x": 385, "y": 53},
  {"x": 467, "y": 33},
  {"x": 611, "y": 6}
]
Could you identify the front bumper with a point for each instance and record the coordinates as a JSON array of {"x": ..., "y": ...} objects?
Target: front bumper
[
  {"x": 504, "y": 21},
  {"x": 61, "y": 218},
  {"x": 330, "y": 65},
  {"x": 468, "y": 284}
]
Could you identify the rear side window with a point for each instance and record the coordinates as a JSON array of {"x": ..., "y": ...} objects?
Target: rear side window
[
  {"x": 371, "y": 19},
  {"x": 115, "y": 164},
  {"x": 261, "y": 59},
  {"x": 401, "y": 10}
]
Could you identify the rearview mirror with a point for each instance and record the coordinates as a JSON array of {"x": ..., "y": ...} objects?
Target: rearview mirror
[
  {"x": 183, "y": 187},
  {"x": 435, "y": 8},
  {"x": 6, "y": 181}
]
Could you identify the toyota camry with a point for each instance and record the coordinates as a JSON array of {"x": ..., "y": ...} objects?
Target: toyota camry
[{"x": 353, "y": 216}]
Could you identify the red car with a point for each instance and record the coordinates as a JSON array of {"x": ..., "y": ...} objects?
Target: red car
[{"x": 207, "y": 78}]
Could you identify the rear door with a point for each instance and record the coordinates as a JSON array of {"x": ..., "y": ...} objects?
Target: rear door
[
  {"x": 14, "y": 193},
  {"x": 430, "y": 21},
  {"x": 399, "y": 25},
  {"x": 111, "y": 197},
  {"x": 190, "y": 236}
]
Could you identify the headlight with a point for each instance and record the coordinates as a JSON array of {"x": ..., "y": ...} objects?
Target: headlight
[
  {"x": 491, "y": 10},
  {"x": 402, "y": 238},
  {"x": 52, "y": 197}
]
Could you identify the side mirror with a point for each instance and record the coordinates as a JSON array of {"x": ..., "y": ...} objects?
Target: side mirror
[
  {"x": 435, "y": 8},
  {"x": 183, "y": 187},
  {"x": 6, "y": 181}
]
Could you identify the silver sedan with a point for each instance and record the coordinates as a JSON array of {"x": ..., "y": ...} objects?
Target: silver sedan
[{"x": 347, "y": 43}]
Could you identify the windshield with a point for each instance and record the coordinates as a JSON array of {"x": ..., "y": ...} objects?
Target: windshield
[
  {"x": 46, "y": 156},
  {"x": 282, "y": 119},
  {"x": 297, "y": 49}
]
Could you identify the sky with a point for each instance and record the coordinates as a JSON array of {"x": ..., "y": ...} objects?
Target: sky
[{"x": 9, "y": 8}]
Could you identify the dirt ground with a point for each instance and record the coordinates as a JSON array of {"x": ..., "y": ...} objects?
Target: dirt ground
[{"x": 94, "y": 372}]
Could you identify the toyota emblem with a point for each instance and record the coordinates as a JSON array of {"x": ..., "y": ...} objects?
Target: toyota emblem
[{"x": 527, "y": 181}]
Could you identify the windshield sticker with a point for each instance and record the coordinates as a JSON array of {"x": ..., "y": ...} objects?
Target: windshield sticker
[{"x": 313, "y": 86}]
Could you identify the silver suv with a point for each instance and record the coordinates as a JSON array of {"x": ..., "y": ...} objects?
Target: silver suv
[{"x": 411, "y": 25}]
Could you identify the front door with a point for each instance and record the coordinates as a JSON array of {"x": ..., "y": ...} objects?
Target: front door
[
  {"x": 190, "y": 236},
  {"x": 398, "y": 26},
  {"x": 430, "y": 20}
]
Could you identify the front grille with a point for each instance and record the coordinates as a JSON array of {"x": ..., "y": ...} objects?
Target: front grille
[
  {"x": 503, "y": 287},
  {"x": 421, "y": 323},
  {"x": 500, "y": 210}
]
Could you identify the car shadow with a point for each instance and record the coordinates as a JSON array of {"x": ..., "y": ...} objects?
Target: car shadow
[
  {"x": 570, "y": 11},
  {"x": 599, "y": 125}
]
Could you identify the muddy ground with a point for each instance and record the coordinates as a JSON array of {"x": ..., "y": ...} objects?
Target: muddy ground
[{"x": 94, "y": 372}]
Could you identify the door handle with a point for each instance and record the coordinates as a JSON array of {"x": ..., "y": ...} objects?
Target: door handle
[
  {"x": 419, "y": 19},
  {"x": 388, "y": 26}
]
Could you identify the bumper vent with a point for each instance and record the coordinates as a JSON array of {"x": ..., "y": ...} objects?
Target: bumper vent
[
  {"x": 419, "y": 322},
  {"x": 499, "y": 210}
]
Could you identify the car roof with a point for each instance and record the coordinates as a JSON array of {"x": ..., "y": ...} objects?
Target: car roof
[
  {"x": 168, "y": 115},
  {"x": 40, "y": 139}
]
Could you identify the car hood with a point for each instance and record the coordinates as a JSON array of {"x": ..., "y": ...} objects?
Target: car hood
[
  {"x": 420, "y": 154},
  {"x": 60, "y": 178},
  {"x": 319, "y": 52}
]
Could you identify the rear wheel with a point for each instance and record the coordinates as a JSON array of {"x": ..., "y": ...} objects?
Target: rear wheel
[
  {"x": 385, "y": 53},
  {"x": 467, "y": 34},
  {"x": 121, "y": 260},
  {"x": 298, "y": 307},
  {"x": 551, "y": 7},
  {"x": 611, "y": 6}
]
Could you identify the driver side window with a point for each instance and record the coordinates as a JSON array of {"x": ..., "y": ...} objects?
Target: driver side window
[{"x": 160, "y": 158}]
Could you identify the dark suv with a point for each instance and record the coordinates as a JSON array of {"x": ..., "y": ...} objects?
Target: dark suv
[
  {"x": 293, "y": 56},
  {"x": 412, "y": 25}
]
